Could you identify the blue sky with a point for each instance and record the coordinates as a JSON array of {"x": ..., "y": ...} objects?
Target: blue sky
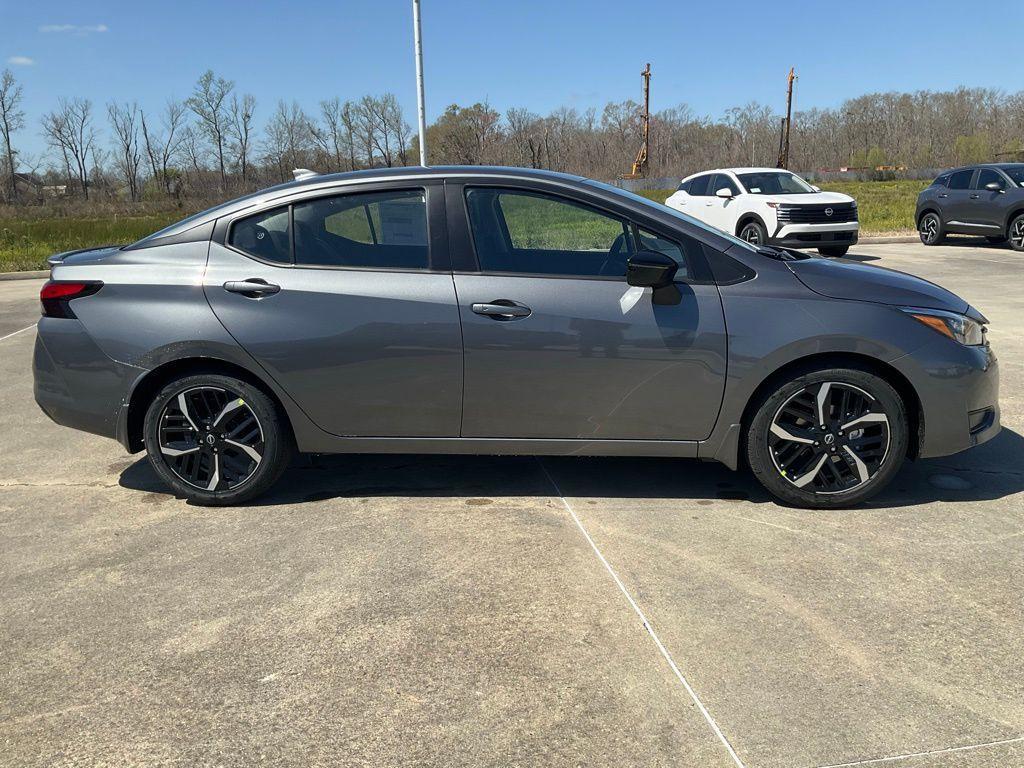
[{"x": 535, "y": 53}]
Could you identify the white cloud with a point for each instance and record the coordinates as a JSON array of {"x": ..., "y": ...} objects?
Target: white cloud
[
  {"x": 75, "y": 29},
  {"x": 21, "y": 61}
]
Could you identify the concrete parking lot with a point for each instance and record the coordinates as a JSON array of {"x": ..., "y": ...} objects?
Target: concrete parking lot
[{"x": 408, "y": 610}]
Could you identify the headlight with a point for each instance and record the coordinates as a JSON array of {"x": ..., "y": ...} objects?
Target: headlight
[{"x": 957, "y": 327}]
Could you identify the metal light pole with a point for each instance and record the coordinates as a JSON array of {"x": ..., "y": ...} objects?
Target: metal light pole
[{"x": 419, "y": 81}]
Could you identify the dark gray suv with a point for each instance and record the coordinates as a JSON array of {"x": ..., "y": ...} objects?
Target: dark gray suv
[
  {"x": 497, "y": 310},
  {"x": 985, "y": 200}
]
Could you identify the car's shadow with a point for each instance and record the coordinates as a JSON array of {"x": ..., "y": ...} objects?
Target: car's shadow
[{"x": 992, "y": 471}]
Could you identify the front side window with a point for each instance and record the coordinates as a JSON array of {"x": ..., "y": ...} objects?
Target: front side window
[
  {"x": 988, "y": 176},
  {"x": 671, "y": 248},
  {"x": 265, "y": 235},
  {"x": 961, "y": 180},
  {"x": 533, "y": 233},
  {"x": 721, "y": 181},
  {"x": 374, "y": 230},
  {"x": 775, "y": 183}
]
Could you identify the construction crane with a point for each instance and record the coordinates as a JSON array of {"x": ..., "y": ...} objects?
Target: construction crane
[
  {"x": 786, "y": 122},
  {"x": 640, "y": 164}
]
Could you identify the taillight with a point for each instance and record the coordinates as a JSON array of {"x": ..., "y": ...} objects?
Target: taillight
[{"x": 56, "y": 296}]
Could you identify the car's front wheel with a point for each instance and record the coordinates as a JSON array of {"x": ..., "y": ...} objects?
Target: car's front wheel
[
  {"x": 754, "y": 233},
  {"x": 930, "y": 229},
  {"x": 828, "y": 438},
  {"x": 1017, "y": 233},
  {"x": 215, "y": 439}
]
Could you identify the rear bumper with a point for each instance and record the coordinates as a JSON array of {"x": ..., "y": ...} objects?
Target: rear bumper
[
  {"x": 75, "y": 384},
  {"x": 959, "y": 391}
]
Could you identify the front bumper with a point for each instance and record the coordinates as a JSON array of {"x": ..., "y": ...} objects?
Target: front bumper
[
  {"x": 815, "y": 235},
  {"x": 958, "y": 388},
  {"x": 75, "y": 383}
]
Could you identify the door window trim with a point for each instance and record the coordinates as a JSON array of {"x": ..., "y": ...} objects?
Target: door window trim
[{"x": 438, "y": 258}]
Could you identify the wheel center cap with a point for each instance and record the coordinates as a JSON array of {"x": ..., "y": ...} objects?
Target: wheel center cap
[
  {"x": 210, "y": 439},
  {"x": 830, "y": 438}
]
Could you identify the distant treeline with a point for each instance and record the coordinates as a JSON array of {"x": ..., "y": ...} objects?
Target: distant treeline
[{"x": 219, "y": 142}]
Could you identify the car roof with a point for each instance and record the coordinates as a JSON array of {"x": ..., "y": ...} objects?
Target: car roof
[{"x": 738, "y": 171}]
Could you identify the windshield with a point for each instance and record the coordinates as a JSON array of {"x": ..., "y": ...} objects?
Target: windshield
[
  {"x": 671, "y": 211},
  {"x": 1015, "y": 172},
  {"x": 775, "y": 183}
]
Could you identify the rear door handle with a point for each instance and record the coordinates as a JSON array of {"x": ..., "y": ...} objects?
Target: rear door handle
[
  {"x": 252, "y": 288},
  {"x": 974, "y": 197},
  {"x": 502, "y": 309},
  {"x": 943, "y": 195}
]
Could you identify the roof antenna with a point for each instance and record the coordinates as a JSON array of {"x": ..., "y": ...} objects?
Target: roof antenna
[{"x": 301, "y": 174}]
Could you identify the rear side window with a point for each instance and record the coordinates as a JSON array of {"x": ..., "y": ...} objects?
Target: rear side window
[
  {"x": 988, "y": 176},
  {"x": 264, "y": 235},
  {"x": 525, "y": 232},
  {"x": 377, "y": 230},
  {"x": 721, "y": 181},
  {"x": 684, "y": 187},
  {"x": 699, "y": 185},
  {"x": 961, "y": 180}
]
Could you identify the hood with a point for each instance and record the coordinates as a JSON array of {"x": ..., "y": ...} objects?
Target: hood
[
  {"x": 83, "y": 256},
  {"x": 844, "y": 279},
  {"x": 817, "y": 198}
]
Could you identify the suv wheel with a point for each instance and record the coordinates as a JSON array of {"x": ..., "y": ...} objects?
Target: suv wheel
[
  {"x": 754, "y": 233},
  {"x": 1017, "y": 233},
  {"x": 836, "y": 251},
  {"x": 930, "y": 229},
  {"x": 216, "y": 440},
  {"x": 830, "y": 438}
]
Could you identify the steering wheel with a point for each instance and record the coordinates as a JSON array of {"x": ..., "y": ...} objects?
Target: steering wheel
[{"x": 615, "y": 264}]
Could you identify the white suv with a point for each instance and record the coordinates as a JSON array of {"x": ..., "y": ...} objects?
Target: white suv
[{"x": 770, "y": 206}]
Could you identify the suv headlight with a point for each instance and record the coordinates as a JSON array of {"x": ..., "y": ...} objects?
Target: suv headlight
[{"x": 957, "y": 327}]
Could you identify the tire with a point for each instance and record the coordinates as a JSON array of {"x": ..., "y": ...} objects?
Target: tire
[
  {"x": 782, "y": 440},
  {"x": 996, "y": 239},
  {"x": 835, "y": 251},
  {"x": 754, "y": 233},
  {"x": 1016, "y": 233},
  {"x": 930, "y": 229},
  {"x": 213, "y": 468}
]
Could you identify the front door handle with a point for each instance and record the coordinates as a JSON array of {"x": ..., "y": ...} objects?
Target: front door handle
[
  {"x": 943, "y": 195},
  {"x": 252, "y": 288},
  {"x": 503, "y": 309},
  {"x": 974, "y": 197}
]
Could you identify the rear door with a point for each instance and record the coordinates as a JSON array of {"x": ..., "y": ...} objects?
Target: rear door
[
  {"x": 957, "y": 208},
  {"x": 699, "y": 204},
  {"x": 557, "y": 345},
  {"x": 346, "y": 299}
]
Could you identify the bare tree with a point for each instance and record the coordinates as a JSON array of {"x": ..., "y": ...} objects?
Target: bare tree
[
  {"x": 12, "y": 118},
  {"x": 289, "y": 139},
  {"x": 241, "y": 130},
  {"x": 124, "y": 120},
  {"x": 162, "y": 145},
  {"x": 209, "y": 102},
  {"x": 69, "y": 129}
]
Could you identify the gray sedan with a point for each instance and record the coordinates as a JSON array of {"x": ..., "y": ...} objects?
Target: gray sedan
[{"x": 506, "y": 311}]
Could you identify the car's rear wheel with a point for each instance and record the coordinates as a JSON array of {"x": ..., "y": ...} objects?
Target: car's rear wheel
[
  {"x": 828, "y": 438},
  {"x": 930, "y": 229},
  {"x": 754, "y": 233},
  {"x": 1017, "y": 233},
  {"x": 216, "y": 439},
  {"x": 836, "y": 251}
]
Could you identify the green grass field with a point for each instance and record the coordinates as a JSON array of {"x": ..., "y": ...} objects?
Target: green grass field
[{"x": 28, "y": 236}]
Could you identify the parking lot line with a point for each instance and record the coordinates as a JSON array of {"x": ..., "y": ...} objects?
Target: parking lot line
[
  {"x": 646, "y": 624},
  {"x": 15, "y": 333},
  {"x": 930, "y": 753}
]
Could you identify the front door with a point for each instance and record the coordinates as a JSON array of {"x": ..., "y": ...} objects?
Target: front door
[
  {"x": 347, "y": 301},
  {"x": 557, "y": 345}
]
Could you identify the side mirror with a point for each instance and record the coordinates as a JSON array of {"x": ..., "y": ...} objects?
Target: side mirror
[
  {"x": 816, "y": 189},
  {"x": 724, "y": 192},
  {"x": 994, "y": 186},
  {"x": 648, "y": 269}
]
